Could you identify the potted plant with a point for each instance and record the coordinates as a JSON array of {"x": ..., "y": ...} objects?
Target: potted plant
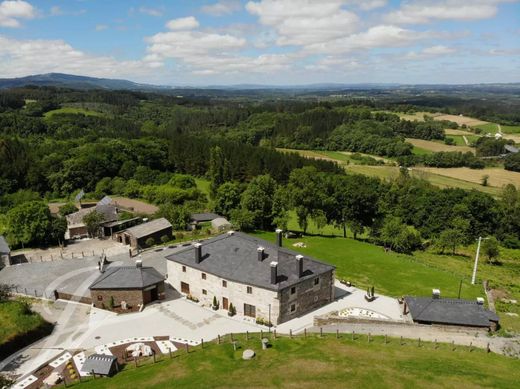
[
  {"x": 232, "y": 310},
  {"x": 215, "y": 304}
]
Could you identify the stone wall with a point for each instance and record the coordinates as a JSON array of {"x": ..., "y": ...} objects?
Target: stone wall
[
  {"x": 133, "y": 298},
  {"x": 307, "y": 296},
  {"x": 235, "y": 292}
]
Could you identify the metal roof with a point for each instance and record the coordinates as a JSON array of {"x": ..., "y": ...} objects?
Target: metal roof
[
  {"x": 220, "y": 222},
  {"x": 511, "y": 149},
  {"x": 121, "y": 222},
  {"x": 109, "y": 213},
  {"x": 204, "y": 217},
  {"x": 148, "y": 228},
  {"x": 105, "y": 201},
  {"x": 450, "y": 311},
  {"x": 100, "y": 364},
  {"x": 127, "y": 277},
  {"x": 4, "y": 247},
  {"x": 234, "y": 256}
]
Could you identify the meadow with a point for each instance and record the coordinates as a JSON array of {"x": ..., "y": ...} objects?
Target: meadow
[
  {"x": 72, "y": 110},
  {"x": 315, "y": 362}
]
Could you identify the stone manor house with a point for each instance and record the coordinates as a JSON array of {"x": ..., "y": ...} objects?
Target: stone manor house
[{"x": 261, "y": 279}]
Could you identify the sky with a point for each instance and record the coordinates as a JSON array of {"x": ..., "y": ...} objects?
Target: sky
[{"x": 269, "y": 42}]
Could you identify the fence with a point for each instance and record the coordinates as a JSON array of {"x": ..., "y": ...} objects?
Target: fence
[{"x": 23, "y": 258}]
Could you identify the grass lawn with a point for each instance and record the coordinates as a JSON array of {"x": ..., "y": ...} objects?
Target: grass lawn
[
  {"x": 15, "y": 320},
  {"x": 72, "y": 110},
  {"x": 321, "y": 363},
  {"x": 393, "y": 274}
]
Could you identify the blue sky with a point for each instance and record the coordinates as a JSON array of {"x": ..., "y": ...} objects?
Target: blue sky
[{"x": 284, "y": 42}]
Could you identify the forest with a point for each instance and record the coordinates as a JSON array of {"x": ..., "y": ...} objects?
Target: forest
[{"x": 55, "y": 142}]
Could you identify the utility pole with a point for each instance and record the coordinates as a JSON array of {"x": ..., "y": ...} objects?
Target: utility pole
[{"x": 474, "y": 276}]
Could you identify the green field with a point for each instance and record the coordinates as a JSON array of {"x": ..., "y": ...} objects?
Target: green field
[
  {"x": 15, "y": 320},
  {"x": 326, "y": 362},
  {"x": 393, "y": 274},
  {"x": 420, "y": 151},
  {"x": 459, "y": 141},
  {"x": 493, "y": 128},
  {"x": 71, "y": 110}
]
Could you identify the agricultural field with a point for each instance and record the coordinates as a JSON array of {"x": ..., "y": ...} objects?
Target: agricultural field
[
  {"x": 433, "y": 146},
  {"x": 72, "y": 110},
  {"x": 459, "y": 139},
  {"x": 460, "y": 120},
  {"x": 450, "y": 132},
  {"x": 498, "y": 177},
  {"x": 493, "y": 128},
  {"x": 314, "y": 362}
]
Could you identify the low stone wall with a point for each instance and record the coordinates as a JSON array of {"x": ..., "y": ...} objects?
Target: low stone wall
[
  {"x": 335, "y": 319},
  {"x": 71, "y": 297}
]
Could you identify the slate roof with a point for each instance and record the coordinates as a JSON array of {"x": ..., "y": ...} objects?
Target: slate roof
[
  {"x": 4, "y": 247},
  {"x": 121, "y": 222},
  {"x": 109, "y": 213},
  {"x": 450, "y": 311},
  {"x": 127, "y": 277},
  {"x": 234, "y": 257},
  {"x": 203, "y": 217},
  {"x": 100, "y": 364},
  {"x": 220, "y": 222},
  {"x": 148, "y": 228}
]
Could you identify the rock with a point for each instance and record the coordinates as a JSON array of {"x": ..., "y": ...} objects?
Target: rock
[{"x": 248, "y": 354}]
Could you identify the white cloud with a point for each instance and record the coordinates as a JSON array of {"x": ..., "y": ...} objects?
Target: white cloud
[
  {"x": 12, "y": 10},
  {"x": 101, "y": 27},
  {"x": 151, "y": 11},
  {"x": 425, "y": 11},
  {"x": 368, "y": 5},
  {"x": 224, "y": 7},
  {"x": 187, "y": 23},
  {"x": 23, "y": 57},
  {"x": 56, "y": 11},
  {"x": 303, "y": 22},
  {"x": 430, "y": 52}
]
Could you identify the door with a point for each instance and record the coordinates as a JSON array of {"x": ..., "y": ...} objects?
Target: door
[
  {"x": 249, "y": 310},
  {"x": 225, "y": 303},
  {"x": 155, "y": 294},
  {"x": 185, "y": 288}
]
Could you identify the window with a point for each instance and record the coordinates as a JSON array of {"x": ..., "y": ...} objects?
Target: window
[
  {"x": 293, "y": 307},
  {"x": 293, "y": 290},
  {"x": 249, "y": 310},
  {"x": 184, "y": 269},
  {"x": 203, "y": 276},
  {"x": 224, "y": 283},
  {"x": 204, "y": 291},
  {"x": 317, "y": 281},
  {"x": 100, "y": 298},
  {"x": 249, "y": 290}
]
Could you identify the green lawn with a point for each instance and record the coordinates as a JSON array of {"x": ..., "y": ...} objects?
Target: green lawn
[
  {"x": 72, "y": 110},
  {"x": 393, "y": 274},
  {"x": 315, "y": 362},
  {"x": 15, "y": 320}
]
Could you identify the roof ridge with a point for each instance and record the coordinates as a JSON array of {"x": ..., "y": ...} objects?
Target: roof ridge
[{"x": 108, "y": 272}]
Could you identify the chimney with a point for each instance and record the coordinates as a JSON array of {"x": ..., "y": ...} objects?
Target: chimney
[
  {"x": 299, "y": 262},
  {"x": 198, "y": 252},
  {"x": 436, "y": 294},
  {"x": 138, "y": 263},
  {"x": 279, "y": 237},
  {"x": 480, "y": 301},
  {"x": 274, "y": 272},
  {"x": 260, "y": 252}
]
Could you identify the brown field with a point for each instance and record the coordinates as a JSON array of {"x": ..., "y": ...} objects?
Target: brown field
[
  {"x": 460, "y": 120},
  {"x": 514, "y": 138},
  {"x": 436, "y": 146},
  {"x": 498, "y": 177},
  {"x": 419, "y": 116}
]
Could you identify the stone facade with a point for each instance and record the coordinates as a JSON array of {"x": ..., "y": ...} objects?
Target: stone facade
[
  {"x": 133, "y": 297},
  {"x": 307, "y": 296}
]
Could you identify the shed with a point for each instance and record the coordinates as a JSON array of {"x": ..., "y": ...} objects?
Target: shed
[
  {"x": 5, "y": 252},
  {"x": 101, "y": 364},
  {"x": 137, "y": 236},
  {"x": 127, "y": 288},
  {"x": 220, "y": 224},
  {"x": 457, "y": 312},
  {"x": 76, "y": 228},
  {"x": 203, "y": 217}
]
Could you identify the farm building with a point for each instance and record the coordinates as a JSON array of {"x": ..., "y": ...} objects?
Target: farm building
[
  {"x": 198, "y": 218},
  {"x": 454, "y": 312},
  {"x": 137, "y": 236},
  {"x": 127, "y": 288},
  {"x": 110, "y": 228},
  {"x": 76, "y": 228},
  {"x": 511, "y": 149},
  {"x": 262, "y": 280},
  {"x": 220, "y": 224},
  {"x": 5, "y": 253},
  {"x": 101, "y": 364}
]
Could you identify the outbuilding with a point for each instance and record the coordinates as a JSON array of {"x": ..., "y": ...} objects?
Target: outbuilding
[
  {"x": 220, "y": 224},
  {"x": 5, "y": 253},
  {"x": 101, "y": 364},
  {"x": 138, "y": 236},
  {"x": 127, "y": 288}
]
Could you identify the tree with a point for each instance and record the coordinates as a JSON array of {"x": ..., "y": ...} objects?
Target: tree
[
  {"x": 400, "y": 237},
  {"x": 243, "y": 219},
  {"x": 491, "y": 249},
  {"x": 258, "y": 200},
  {"x": 177, "y": 215},
  {"x": 93, "y": 222},
  {"x": 219, "y": 170},
  {"x": 29, "y": 223},
  {"x": 227, "y": 198},
  {"x": 67, "y": 209}
]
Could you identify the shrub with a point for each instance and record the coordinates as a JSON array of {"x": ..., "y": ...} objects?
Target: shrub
[
  {"x": 179, "y": 236},
  {"x": 165, "y": 238},
  {"x": 263, "y": 322},
  {"x": 232, "y": 311},
  {"x": 111, "y": 303},
  {"x": 149, "y": 242}
]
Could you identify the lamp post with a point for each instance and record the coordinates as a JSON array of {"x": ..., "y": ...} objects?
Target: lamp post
[{"x": 474, "y": 276}]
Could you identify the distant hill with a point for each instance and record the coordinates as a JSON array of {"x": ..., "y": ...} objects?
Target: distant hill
[{"x": 75, "y": 82}]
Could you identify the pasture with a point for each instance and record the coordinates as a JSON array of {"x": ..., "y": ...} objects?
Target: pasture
[
  {"x": 435, "y": 147},
  {"x": 498, "y": 177},
  {"x": 72, "y": 110}
]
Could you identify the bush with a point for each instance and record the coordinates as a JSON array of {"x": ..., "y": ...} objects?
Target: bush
[
  {"x": 165, "y": 239},
  {"x": 263, "y": 322},
  {"x": 449, "y": 141},
  {"x": 232, "y": 311},
  {"x": 179, "y": 236},
  {"x": 511, "y": 242},
  {"x": 149, "y": 242},
  {"x": 111, "y": 303}
]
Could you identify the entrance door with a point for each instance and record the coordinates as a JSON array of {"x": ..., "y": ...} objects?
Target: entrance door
[
  {"x": 155, "y": 294},
  {"x": 225, "y": 303},
  {"x": 249, "y": 310},
  {"x": 185, "y": 288}
]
